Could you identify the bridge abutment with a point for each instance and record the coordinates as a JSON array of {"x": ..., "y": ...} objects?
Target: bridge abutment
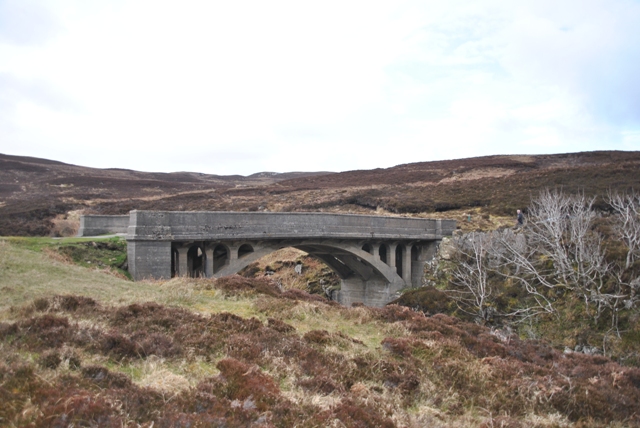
[{"x": 149, "y": 259}]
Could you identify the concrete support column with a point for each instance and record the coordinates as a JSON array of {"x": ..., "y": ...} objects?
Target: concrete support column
[
  {"x": 391, "y": 257},
  {"x": 406, "y": 264},
  {"x": 233, "y": 253},
  {"x": 375, "y": 251},
  {"x": 208, "y": 269},
  {"x": 183, "y": 269}
]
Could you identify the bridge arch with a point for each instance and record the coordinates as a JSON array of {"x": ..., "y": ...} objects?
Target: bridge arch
[
  {"x": 357, "y": 268},
  {"x": 244, "y": 249}
]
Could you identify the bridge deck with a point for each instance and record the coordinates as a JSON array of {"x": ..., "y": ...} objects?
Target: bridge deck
[{"x": 208, "y": 225}]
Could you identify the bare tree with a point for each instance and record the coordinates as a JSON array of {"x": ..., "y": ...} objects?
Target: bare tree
[
  {"x": 627, "y": 210},
  {"x": 564, "y": 250},
  {"x": 518, "y": 261},
  {"x": 470, "y": 274}
]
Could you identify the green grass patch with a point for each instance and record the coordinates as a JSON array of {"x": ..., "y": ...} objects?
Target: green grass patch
[
  {"x": 28, "y": 273},
  {"x": 110, "y": 253}
]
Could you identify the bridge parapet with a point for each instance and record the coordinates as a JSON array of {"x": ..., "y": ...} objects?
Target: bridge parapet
[
  {"x": 207, "y": 225},
  {"x": 93, "y": 225}
]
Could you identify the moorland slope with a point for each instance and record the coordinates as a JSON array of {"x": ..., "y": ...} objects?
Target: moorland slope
[{"x": 37, "y": 196}]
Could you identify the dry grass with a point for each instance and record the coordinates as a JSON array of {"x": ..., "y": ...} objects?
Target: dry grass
[
  {"x": 66, "y": 224},
  {"x": 157, "y": 376},
  {"x": 28, "y": 275}
]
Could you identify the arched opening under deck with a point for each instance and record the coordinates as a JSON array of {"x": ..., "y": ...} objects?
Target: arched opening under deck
[
  {"x": 399, "y": 256},
  {"x": 220, "y": 257},
  {"x": 195, "y": 261},
  {"x": 244, "y": 250},
  {"x": 175, "y": 262}
]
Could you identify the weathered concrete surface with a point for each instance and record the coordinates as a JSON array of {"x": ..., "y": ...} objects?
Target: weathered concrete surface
[
  {"x": 149, "y": 260},
  {"x": 198, "y": 225},
  {"x": 374, "y": 256},
  {"x": 94, "y": 225}
]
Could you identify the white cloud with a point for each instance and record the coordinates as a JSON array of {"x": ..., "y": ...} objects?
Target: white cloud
[{"x": 240, "y": 87}]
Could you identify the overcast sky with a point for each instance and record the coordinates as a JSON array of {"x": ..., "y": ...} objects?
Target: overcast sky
[{"x": 238, "y": 87}]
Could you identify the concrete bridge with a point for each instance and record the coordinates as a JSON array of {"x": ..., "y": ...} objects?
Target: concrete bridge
[{"x": 374, "y": 256}]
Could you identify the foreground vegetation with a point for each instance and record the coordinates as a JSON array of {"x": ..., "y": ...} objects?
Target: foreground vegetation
[{"x": 83, "y": 347}]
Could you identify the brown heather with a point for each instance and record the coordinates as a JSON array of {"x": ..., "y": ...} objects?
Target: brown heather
[{"x": 70, "y": 360}]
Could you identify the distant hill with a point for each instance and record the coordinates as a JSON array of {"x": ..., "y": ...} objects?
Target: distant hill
[{"x": 34, "y": 193}]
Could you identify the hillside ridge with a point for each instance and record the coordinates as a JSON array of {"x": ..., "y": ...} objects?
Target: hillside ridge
[{"x": 36, "y": 194}]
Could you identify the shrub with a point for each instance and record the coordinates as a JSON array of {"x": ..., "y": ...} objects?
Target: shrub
[
  {"x": 102, "y": 377},
  {"x": 401, "y": 347},
  {"x": 244, "y": 347},
  {"x": 41, "y": 304},
  {"x": 72, "y": 303},
  {"x": 251, "y": 271},
  {"x": 82, "y": 409},
  {"x": 50, "y": 360},
  {"x": 320, "y": 337},
  {"x": 429, "y": 300},
  {"x": 8, "y": 329},
  {"x": 239, "y": 284},
  {"x": 358, "y": 414},
  {"x": 73, "y": 360},
  {"x": 46, "y": 331},
  {"x": 279, "y": 326},
  {"x": 295, "y": 294},
  {"x": 18, "y": 383},
  {"x": 242, "y": 381},
  {"x": 119, "y": 346},
  {"x": 158, "y": 344},
  {"x": 320, "y": 384},
  {"x": 392, "y": 313}
]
